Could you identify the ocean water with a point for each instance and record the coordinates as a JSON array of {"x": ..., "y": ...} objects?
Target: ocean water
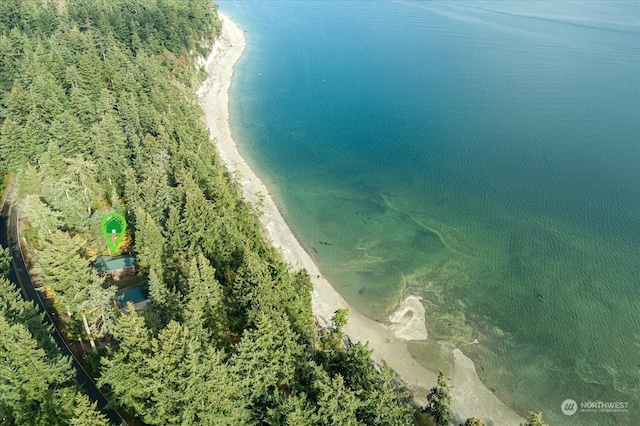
[{"x": 482, "y": 155}]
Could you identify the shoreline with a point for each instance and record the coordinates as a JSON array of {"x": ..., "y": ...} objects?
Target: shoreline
[{"x": 470, "y": 397}]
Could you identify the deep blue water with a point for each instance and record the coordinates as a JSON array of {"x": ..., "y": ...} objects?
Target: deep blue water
[{"x": 484, "y": 155}]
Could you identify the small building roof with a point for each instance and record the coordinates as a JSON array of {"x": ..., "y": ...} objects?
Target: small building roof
[{"x": 117, "y": 263}]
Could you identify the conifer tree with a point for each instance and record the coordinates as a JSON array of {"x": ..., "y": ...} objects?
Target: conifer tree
[
  {"x": 293, "y": 410},
  {"x": 5, "y": 262},
  {"x": 384, "y": 402},
  {"x": 109, "y": 150},
  {"x": 86, "y": 414},
  {"x": 266, "y": 362},
  {"x": 206, "y": 313},
  {"x": 9, "y": 63},
  {"x": 27, "y": 182},
  {"x": 41, "y": 216},
  {"x": 65, "y": 271},
  {"x": 176, "y": 235},
  {"x": 48, "y": 97},
  {"x": 84, "y": 173},
  {"x": 438, "y": 401},
  {"x": 150, "y": 243},
  {"x": 68, "y": 133},
  {"x": 168, "y": 374},
  {"x": 211, "y": 395},
  {"x": 98, "y": 307},
  {"x": 51, "y": 162},
  {"x": 34, "y": 137},
  {"x": 157, "y": 194},
  {"x": 126, "y": 372},
  {"x": 337, "y": 405},
  {"x": 34, "y": 389},
  {"x": 81, "y": 104},
  {"x": 164, "y": 301},
  {"x": 65, "y": 196},
  {"x": 11, "y": 144},
  {"x": 18, "y": 311},
  {"x": 534, "y": 419}
]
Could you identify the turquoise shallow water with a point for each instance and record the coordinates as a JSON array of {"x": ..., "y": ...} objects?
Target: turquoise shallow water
[
  {"x": 132, "y": 294},
  {"x": 484, "y": 155}
]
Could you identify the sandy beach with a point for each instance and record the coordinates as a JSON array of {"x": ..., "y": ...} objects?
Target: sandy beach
[{"x": 470, "y": 396}]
